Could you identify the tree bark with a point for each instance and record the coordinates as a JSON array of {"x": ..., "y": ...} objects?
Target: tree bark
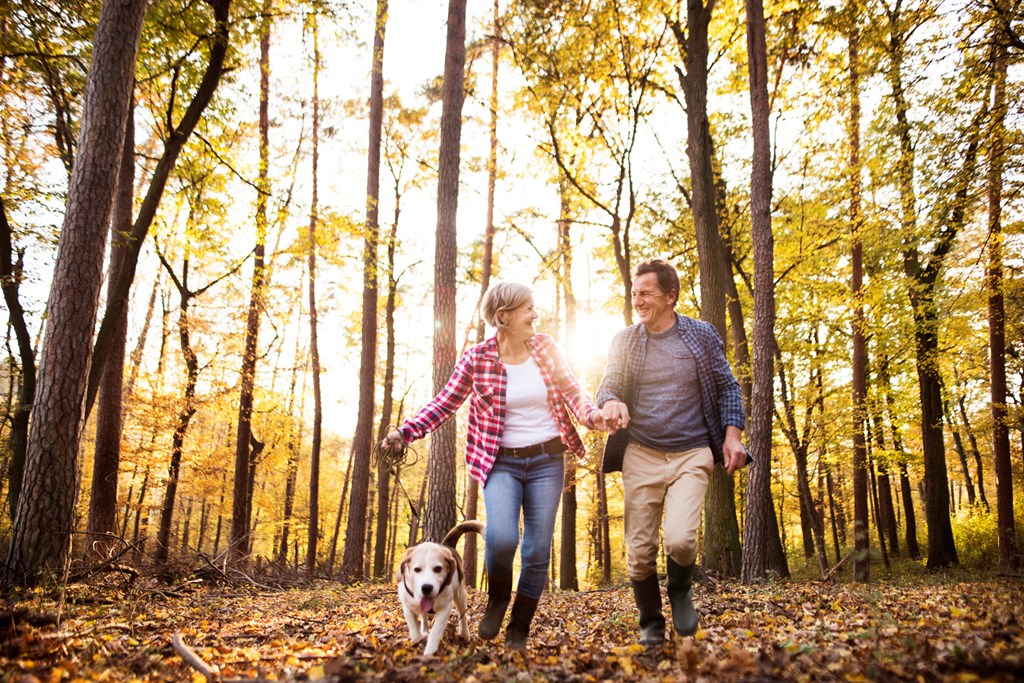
[
  {"x": 756, "y": 539},
  {"x": 362, "y": 442},
  {"x": 41, "y": 533},
  {"x": 440, "y": 512},
  {"x": 102, "y": 522}
]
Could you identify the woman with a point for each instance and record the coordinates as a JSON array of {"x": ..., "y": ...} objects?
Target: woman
[{"x": 520, "y": 393}]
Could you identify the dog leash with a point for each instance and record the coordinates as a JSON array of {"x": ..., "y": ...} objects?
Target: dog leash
[{"x": 395, "y": 459}]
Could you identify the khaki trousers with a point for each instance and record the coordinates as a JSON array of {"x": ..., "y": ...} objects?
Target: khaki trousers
[{"x": 663, "y": 485}]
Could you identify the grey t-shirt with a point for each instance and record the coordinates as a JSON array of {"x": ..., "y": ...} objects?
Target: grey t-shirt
[{"x": 668, "y": 414}]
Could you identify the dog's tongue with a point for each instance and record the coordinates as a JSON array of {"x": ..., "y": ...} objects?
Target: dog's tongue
[{"x": 426, "y": 605}]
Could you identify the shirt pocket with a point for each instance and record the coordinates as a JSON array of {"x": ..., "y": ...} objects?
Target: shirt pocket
[{"x": 482, "y": 399}]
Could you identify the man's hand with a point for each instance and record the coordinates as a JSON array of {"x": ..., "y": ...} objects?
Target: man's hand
[
  {"x": 616, "y": 415},
  {"x": 734, "y": 455}
]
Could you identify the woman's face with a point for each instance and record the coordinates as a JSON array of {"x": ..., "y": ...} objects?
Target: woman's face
[{"x": 520, "y": 320}]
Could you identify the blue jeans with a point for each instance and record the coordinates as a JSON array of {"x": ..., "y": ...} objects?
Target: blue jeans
[{"x": 532, "y": 486}]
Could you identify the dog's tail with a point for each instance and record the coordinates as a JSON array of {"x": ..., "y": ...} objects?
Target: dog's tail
[{"x": 453, "y": 536}]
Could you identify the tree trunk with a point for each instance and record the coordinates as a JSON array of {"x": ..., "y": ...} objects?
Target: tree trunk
[
  {"x": 721, "y": 548},
  {"x": 567, "y": 578},
  {"x": 313, "y": 527},
  {"x": 440, "y": 513},
  {"x": 1009, "y": 553},
  {"x": 355, "y": 532},
  {"x": 756, "y": 539},
  {"x": 384, "y": 495},
  {"x": 472, "y": 487},
  {"x": 188, "y": 410},
  {"x": 958, "y": 446},
  {"x": 979, "y": 470},
  {"x": 11, "y": 274},
  {"x": 41, "y": 534},
  {"x": 913, "y": 551},
  {"x": 241, "y": 508},
  {"x": 102, "y": 523}
]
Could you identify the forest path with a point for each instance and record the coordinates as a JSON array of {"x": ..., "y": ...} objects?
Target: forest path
[{"x": 935, "y": 631}]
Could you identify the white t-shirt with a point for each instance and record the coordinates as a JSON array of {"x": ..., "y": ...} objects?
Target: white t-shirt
[{"x": 528, "y": 418}]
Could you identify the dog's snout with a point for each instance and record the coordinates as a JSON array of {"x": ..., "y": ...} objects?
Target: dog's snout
[{"x": 427, "y": 589}]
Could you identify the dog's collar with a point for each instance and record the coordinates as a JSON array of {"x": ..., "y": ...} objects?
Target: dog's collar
[{"x": 447, "y": 581}]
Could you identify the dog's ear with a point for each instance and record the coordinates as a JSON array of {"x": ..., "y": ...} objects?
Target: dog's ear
[
  {"x": 405, "y": 562},
  {"x": 453, "y": 563}
]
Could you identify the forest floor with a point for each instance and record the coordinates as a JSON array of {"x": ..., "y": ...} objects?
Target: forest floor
[{"x": 936, "y": 629}]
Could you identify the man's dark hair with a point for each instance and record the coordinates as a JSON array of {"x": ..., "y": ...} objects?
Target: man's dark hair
[{"x": 668, "y": 279}]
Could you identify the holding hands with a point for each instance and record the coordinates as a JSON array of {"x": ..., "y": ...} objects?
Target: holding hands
[{"x": 615, "y": 414}]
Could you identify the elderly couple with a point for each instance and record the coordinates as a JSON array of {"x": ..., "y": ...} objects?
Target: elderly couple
[{"x": 668, "y": 396}]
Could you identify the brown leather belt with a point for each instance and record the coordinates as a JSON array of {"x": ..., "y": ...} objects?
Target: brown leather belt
[{"x": 552, "y": 447}]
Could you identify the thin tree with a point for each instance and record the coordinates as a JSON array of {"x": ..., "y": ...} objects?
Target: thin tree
[
  {"x": 102, "y": 521},
  {"x": 472, "y": 488},
  {"x": 11, "y": 274},
  {"x": 1009, "y": 556},
  {"x": 759, "y": 508},
  {"x": 41, "y": 534},
  {"x": 861, "y": 539},
  {"x": 440, "y": 509},
  {"x": 362, "y": 442},
  {"x": 313, "y": 528},
  {"x": 188, "y": 405},
  {"x": 567, "y": 578},
  {"x": 241, "y": 507}
]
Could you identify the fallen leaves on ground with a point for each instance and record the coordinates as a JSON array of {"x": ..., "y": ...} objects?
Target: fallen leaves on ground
[{"x": 958, "y": 632}]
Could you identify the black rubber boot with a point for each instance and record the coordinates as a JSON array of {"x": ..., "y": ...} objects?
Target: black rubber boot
[
  {"x": 519, "y": 623},
  {"x": 499, "y": 592},
  {"x": 680, "y": 596},
  {"x": 647, "y": 594}
]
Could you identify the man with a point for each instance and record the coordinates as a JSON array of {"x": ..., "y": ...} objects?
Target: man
[{"x": 670, "y": 391}]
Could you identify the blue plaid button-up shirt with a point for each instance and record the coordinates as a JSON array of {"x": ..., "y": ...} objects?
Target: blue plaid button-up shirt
[{"x": 720, "y": 393}]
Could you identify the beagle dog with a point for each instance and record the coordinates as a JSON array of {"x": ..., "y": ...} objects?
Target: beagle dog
[{"x": 430, "y": 581}]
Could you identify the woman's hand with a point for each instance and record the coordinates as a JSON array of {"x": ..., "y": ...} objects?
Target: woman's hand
[
  {"x": 600, "y": 423},
  {"x": 393, "y": 441}
]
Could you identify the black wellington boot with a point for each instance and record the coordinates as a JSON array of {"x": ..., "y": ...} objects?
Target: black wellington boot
[
  {"x": 680, "y": 596},
  {"x": 499, "y": 592},
  {"x": 519, "y": 623},
  {"x": 647, "y": 594}
]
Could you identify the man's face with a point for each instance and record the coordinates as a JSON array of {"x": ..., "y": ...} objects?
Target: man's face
[{"x": 654, "y": 307}]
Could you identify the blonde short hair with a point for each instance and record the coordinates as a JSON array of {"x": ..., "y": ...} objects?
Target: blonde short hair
[{"x": 502, "y": 297}]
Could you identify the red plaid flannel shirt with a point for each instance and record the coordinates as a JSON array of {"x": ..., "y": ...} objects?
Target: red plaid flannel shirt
[{"x": 480, "y": 376}]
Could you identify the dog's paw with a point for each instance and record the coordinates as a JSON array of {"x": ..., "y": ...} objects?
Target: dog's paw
[{"x": 417, "y": 639}]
